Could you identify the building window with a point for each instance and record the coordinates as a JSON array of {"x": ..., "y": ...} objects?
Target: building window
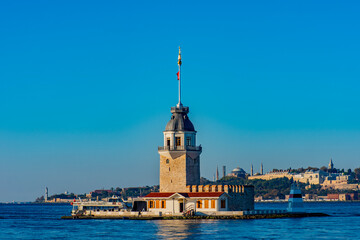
[
  {"x": 188, "y": 141},
  {"x": 199, "y": 203},
  {"x": 167, "y": 160},
  {"x": 206, "y": 203},
  {"x": 223, "y": 203},
  {"x": 151, "y": 204},
  {"x": 157, "y": 204},
  {"x": 168, "y": 142},
  {"x": 178, "y": 141},
  {"x": 163, "y": 204},
  {"x": 212, "y": 203}
]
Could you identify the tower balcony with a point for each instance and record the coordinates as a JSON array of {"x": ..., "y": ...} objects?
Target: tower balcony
[{"x": 180, "y": 148}]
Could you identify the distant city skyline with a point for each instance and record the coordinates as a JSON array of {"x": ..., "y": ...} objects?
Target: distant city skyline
[{"x": 86, "y": 89}]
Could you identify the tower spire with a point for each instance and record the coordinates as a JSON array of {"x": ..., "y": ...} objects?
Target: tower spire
[{"x": 179, "y": 78}]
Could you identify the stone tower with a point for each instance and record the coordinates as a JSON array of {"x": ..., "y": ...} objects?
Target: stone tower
[{"x": 179, "y": 157}]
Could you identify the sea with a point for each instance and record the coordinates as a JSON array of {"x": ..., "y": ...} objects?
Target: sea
[{"x": 42, "y": 221}]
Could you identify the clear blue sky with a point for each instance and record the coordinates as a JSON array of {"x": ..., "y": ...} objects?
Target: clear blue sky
[{"x": 86, "y": 88}]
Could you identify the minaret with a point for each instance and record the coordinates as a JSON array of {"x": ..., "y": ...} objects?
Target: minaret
[
  {"x": 252, "y": 170},
  {"x": 179, "y": 157},
  {"x": 46, "y": 194},
  {"x": 224, "y": 171},
  {"x": 217, "y": 173},
  {"x": 261, "y": 169},
  {"x": 331, "y": 165}
]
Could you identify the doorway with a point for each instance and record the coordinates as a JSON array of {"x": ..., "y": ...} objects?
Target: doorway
[{"x": 181, "y": 207}]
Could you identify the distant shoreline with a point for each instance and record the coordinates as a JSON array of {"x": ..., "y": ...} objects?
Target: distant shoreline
[
  {"x": 31, "y": 203},
  {"x": 268, "y": 201},
  {"x": 307, "y": 201}
]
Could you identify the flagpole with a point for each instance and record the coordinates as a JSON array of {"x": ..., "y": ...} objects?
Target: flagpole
[
  {"x": 179, "y": 85},
  {"x": 179, "y": 63}
]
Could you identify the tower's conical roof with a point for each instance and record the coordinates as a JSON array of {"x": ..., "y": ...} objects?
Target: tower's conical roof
[{"x": 179, "y": 120}]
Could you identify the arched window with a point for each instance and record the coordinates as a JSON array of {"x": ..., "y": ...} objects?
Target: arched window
[{"x": 188, "y": 141}]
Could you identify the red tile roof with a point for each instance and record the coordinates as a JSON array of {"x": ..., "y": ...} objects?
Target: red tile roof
[
  {"x": 187, "y": 195},
  {"x": 159, "y": 195}
]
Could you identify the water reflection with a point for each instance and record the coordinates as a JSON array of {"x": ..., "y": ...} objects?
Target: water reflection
[{"x": 177, "y": 229}]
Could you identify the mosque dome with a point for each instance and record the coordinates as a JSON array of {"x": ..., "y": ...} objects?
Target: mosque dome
[
  {"x": 238, "y": 170},
  {"x": 179, "y": 120}
]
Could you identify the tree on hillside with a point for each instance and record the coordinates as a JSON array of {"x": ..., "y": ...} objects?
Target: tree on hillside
[
  {"x": 205, "y": 181},
  {"x": 227, "y": 180},
  {"x": 312, "y": 169},
  {"x": 40, "y": 199},
  {"x": 324, "y": 169},
  {"x": 301, "y": 170},
  {"x": 357, "y": 173}
]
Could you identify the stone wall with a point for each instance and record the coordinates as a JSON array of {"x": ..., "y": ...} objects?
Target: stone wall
[
  {"x": 173, "y": 174},
  {"x": 270, "y": 176},
  {"x": 176, "y": 173},
  {"x": 241, "y": 196}
]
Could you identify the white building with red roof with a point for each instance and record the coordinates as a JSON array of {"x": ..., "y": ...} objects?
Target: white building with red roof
[{"x": 192, "y": 202}]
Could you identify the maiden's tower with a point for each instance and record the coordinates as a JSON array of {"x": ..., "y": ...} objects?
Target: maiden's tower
[
  {"x": 180, "y": 188},
  {"x": 179, "y": 156}
]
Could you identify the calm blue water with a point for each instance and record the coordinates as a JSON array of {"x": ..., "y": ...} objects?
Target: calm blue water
[{"x": 43, "y": 222}]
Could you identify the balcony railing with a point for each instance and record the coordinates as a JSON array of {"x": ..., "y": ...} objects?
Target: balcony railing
[{"x": 180, "y": 148}]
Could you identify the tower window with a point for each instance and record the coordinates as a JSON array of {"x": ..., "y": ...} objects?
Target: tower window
[
  {"x": 178, "y": 141},
  {"x": 168, "y": 142},
  {"x": 167, "y": 160},
  {"x": 188, "y": 141}
]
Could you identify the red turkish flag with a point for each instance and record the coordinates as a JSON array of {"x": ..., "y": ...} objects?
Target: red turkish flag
[{"x": 178, "y": 74}]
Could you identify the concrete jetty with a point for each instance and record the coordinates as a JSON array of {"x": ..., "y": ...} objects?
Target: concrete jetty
[{"x": 246, "y": 216}]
